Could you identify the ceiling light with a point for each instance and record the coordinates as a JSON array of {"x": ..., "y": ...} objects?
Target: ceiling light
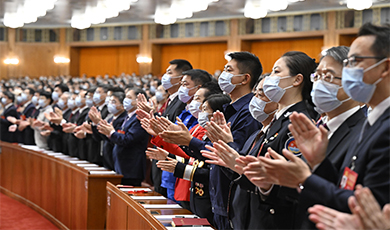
[
  {"x": 61, "y": 60},
  {"x": 11, "y": 61},
  {"x": 359, "y": 4},
  {"x": 255, "y": 9}
]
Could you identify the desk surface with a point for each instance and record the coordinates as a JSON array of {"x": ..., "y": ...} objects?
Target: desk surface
[{"x": 139, "y": 217}]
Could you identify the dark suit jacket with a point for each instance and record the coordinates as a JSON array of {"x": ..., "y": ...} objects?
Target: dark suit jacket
[
  {"x": 248, "y": 210},
  {"x": 338, "y": 146},
  {"x": 129, "y": 150},
  {"x": 108, "y": 146},
  {"x": 76, "y": 146},
  {"x": 27, "y": 135},
  {"x": 5, "y": 124},
  {"x": 372, "y": 166},
  {"x": 94, "y": 147}
]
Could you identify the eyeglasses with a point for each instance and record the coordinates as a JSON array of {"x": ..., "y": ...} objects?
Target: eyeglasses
[
  {"x": 352, "y": 61},
  {"x": 328, "y": 77}
]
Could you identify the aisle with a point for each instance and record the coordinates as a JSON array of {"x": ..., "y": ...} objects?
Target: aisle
[{"x": 15, "y": 215}]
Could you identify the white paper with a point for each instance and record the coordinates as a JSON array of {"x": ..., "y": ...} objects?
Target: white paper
[
  {"x": 102, "y": 172},
  {"x": 87, "y": 165},
  {"x": 60, "y": 156},
  {"x": 148, "y": 197},
  {"x": 169, "y": 217},
  {"x": 95, "y": 168},
  {"x": 190, "y": 228},
  {"x": 162, "y": 206},
  {"x": 32, "y": 147},
  {"x": 78, "y": 162},
  {"x": 135, "y": 189},
  {"x": 55, "y": 154}
]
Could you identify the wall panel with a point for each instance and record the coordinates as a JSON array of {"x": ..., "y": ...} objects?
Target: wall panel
[
  {"x": 206, "y": 56},
  {"x": 108, "y": 60},
  {"x": 269, "y": 51},
  {"x": 3, "y": 55}
]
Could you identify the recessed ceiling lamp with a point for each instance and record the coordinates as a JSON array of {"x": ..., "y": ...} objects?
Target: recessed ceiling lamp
[
  {"x": 359, "y": 4},
  {"x": 256, "y": 9}
]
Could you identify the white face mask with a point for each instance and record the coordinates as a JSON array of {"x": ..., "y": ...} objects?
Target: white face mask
[
  {"x": 225, "y": 81},
  {"x": 159, "y": 96},
  {"x": 203, "y": 118},
  {"x": 324, "y": 96},
  {"x": 256, "y": 108},
  {"x": 272, "y": 89},
  {"x": 183, "y": 93},
  {"x": 193, "y": 107},
  {"x": 166, "y": 81}
]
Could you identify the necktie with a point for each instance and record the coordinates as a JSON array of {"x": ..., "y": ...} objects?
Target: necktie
[{"x": 124, "y": 122}]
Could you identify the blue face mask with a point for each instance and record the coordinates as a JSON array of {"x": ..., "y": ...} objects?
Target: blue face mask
[
  {"x": 166, "y": 81},
  {"x": 34, "y": 100},
  {"x": 78, "y": 102},
  {"x": 183, "y": 93},
  {"x": 71, "y": 103},
  {"x": 19, "y": 99},
  {"x": 152, "y": 89},
  {"x": 61, "y": 104},
  {"x": 194, "y": 108},
  {"x": 89, "y": 102},
  {"x": 159, "y": 96},
  {"x": 42, "y": 103},
  {"x": 97, "y": 98},
  {"x": 55, "y": 96},
  {"x": 225, "y": 82},
  {"x": 127, "y": 104},
  {"x": 4, "y": 100},
  {"x": 354, "y": 85},
  {"x": 324, "y": 96},
  {"x": 24, "y": 97},
  {"x": 112, "y": 109},
  {"x": 272, "y": 89}
]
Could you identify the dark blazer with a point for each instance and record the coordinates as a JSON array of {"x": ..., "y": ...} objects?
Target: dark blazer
[
  {"x": 27, "y": 135},
  {"x": 94, "y": 147},
  {"x": 108, "y": 146},
  {"x": 57, "y": 135},
  {"x": 249, "y": 210},
  {"x": 5, "y": 124},
  {"x": 76, "y": 146},
  {"x": 174, "y": 109},
  {"x": 129, "y": 150},
  {"x": 372, "y": 165}
]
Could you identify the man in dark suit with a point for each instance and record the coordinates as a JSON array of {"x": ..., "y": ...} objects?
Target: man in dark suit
[
  {"x": 171, "y": 82},
  {"x": 366, "y": 78},
  {"x": 115, "y": 107},
  {"x": 130, "y": 141},
  {"x": 7, "y": 102}
]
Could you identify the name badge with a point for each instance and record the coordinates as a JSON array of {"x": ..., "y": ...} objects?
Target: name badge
[
  {"x": 121, "y": 131},
  {"x": 348, "y": 180}
]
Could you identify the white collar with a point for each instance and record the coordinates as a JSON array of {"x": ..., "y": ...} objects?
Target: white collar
[
  {"x": 334, "y": 123},
  {"x": 378, "y": 111},
  {"x": 131, "y": 114},
  {"x": 82, "y": 109},
  {"x": 7, "y": 106},
  {"x": 75, "y": 111},
  {"x": 101, "y": 107},
  {"x": 282, "y": 111},
  {"x": 173, "y": 95}
]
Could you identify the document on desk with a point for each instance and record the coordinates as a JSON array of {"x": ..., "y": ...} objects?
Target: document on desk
[
  {"x": 61, "y": 156},
  {"x": 169, "y": 217},
  {"x": 87, "y": 165},
  {"x": 148, "y": 197},
  {"x": 78, "y": 161},
  {"x": 162, "y": 206},
  {"x": 31, "y": 147},
  {"x": 102, "y": 172},
  {"x": 95, "y": 168},
  {"x": 191, "y": 228},
  {"x": 55, "y": 154},
  {"x": 135, "y": 189}
]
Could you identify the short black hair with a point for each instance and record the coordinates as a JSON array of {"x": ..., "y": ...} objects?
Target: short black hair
[
  {"x": 117, "y": 89},
  {"x": 300, "y": 63},
  {"x": 120, "y": 95},
  {"x": 216, "y": 101},
  {"x": 198, "y": 76},
  {"x": 381, "y": 45},
  {"x": 31, "y": 91},
  {"x": 338, "y": 53},
  {"x": 91, "y": 90},
  {"x": 62, "y": 87},
  {"x": 211, "y": 87},
  {"x": 10, "y": 95},
  {"x": 138, "y": 91},
  {"x": 248, "y": 63},
  {"x": 105, "y": 87},
  {"x": 181, "y": 65},
  {"x": 47, "y": 95}
]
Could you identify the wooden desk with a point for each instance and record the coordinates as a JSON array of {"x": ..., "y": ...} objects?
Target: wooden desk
[
  {"x": 124, "y": 212},
  {"x": 66, "y": 194}
]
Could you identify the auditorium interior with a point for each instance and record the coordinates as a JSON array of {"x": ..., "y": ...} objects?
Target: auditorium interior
[{"x": 108, "y": 39}]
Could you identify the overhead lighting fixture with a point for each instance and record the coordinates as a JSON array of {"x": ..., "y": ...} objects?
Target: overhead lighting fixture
[
  {"x": 256, "y": 9},
  {"x": 61, "y": 60},
  {"x": 141, "y": 59},
  {"x": 27, "y": 12},
  {"x": 359, "y": 4},
  {"x": 11, "y": 61}
]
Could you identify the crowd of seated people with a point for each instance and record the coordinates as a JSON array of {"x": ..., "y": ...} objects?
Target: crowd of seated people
[{"x": 305, "y": 146}]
